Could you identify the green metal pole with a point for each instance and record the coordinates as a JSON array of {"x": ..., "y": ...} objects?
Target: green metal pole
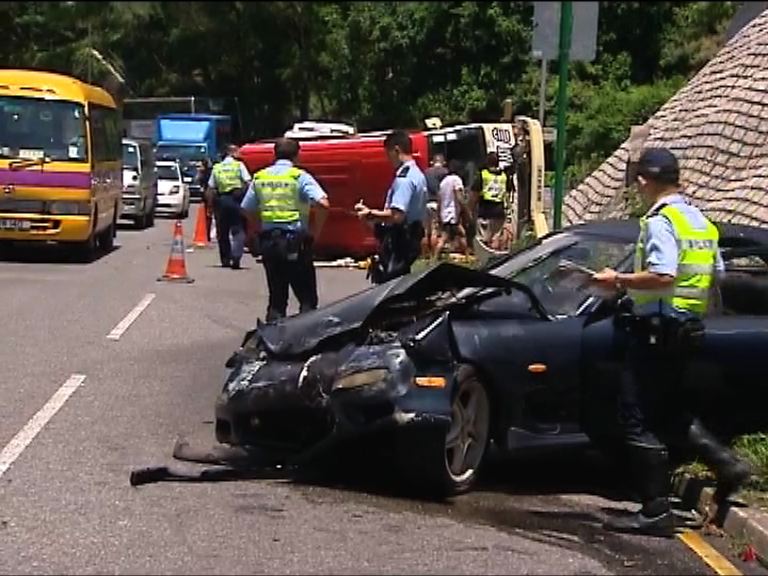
[{"x": 566, "y": 23}]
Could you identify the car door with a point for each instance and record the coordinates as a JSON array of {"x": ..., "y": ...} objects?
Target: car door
[
  {"x": 531, "y": 361},
  {"x": 146, "y": 177},
  {"x": 727, "y": 378}
]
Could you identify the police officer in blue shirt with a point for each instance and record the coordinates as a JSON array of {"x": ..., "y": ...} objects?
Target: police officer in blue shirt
[
  {"x": 399, "y": 227},
  {"x": 281, "y": 194},
  {"x": 226, "y": 187},
  {"x": 677, "y": 261}
]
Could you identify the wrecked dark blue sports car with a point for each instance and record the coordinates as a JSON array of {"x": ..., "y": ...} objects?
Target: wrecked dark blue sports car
[{"x": 513, "y": 355}]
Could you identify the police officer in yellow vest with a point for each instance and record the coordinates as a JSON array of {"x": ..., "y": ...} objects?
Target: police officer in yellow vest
[
  {"x": 677, "y": 261},
  {"x": 226, "y": 187},
  {"x": 492, "y": 190},
  {"x": 281, "y": 194}
]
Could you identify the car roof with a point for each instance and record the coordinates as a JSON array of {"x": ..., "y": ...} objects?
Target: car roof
[{"x": 629, "y": 229}]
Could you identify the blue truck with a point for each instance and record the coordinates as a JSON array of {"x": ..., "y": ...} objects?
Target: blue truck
[{"x": 191, "y": 138}]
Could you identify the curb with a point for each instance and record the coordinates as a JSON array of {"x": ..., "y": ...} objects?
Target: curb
[{"x": 748, "y": 525}]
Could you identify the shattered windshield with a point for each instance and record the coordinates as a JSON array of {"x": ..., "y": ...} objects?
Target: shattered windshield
[{"x": 540, "y": 268}]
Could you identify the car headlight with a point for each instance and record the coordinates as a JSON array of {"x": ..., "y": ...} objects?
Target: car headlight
[
  {"x": 174, "y": 190},
  {"x": 69, "y": 208},
  {"x": 359, "y": 379}
]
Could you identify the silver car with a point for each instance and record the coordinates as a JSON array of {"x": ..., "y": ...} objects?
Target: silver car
[{"x": 139, "y": 183}]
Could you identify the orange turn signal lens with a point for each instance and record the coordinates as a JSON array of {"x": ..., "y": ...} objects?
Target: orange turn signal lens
[
  {"x": 537, "y": 368},
  {"x": 430, "y": 381}
]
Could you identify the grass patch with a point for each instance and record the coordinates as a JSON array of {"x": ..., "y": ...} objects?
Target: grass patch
[
  {"x": 695, "y": 470},
  {"x": 754, "y": 449}
]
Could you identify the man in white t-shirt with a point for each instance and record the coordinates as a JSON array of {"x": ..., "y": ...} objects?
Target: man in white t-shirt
[{"x": 449, "y": 209}]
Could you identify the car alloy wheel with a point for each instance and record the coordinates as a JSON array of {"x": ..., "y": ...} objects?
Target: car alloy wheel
[{"x": 467, "y": 436}]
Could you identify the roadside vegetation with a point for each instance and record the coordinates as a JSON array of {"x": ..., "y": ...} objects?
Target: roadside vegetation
[
  {"x": 753, "y": 448},
  {"x": 375, "y": 64}
]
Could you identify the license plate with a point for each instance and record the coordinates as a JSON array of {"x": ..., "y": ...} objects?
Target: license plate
[{"x": 14, "y": 225}]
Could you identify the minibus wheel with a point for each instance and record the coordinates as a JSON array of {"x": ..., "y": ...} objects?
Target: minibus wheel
[
  {"x": 86, "y": 251},
  {"x": 107, "y": 238}
]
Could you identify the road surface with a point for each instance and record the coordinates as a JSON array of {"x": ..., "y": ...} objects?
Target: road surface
[{"x": 80, "y": 410}]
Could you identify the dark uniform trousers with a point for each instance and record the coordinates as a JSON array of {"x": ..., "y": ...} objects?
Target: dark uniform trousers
[
  {"x": 651, "y": 399},
  {"x": 652, "y": 413},
  {"x": 653, "y": 408},
  {"x": 287, "y": 259},
  {"x": 399, "y": 247},
  {"x": 229, "y": 219}
]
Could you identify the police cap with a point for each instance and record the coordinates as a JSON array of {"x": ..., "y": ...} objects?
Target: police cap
[{"x": 658, "y": 164}]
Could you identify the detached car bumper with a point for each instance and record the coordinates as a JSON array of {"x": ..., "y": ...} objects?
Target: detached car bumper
[{"x": 293, "y": 407}]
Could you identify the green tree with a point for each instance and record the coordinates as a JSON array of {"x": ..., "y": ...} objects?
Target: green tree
[{"x": 374, "y": 64}]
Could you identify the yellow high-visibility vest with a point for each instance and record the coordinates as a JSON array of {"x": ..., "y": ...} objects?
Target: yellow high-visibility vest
[
  {"x": 494, "y": 186},
  {"x": 227, "y": 177},
  {"x": 696, "y": 260},
  {"x": 278, "y": 196}
]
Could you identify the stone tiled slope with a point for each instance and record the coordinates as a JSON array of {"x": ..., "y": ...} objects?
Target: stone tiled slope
[{"x": 718, "y": 127}]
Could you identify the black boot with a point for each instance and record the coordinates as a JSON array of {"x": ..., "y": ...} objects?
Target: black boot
[
  {"x": 731, "y": 471},
  {"x": 650, "y": 469}
]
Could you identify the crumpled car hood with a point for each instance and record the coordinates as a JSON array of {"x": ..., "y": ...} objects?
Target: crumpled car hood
[{"x": 298, "y": 335}]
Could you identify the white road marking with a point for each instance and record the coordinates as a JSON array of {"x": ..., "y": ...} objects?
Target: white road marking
[
  {"x": 120, "y": 329},
  {"x": 18, "y": 443}
]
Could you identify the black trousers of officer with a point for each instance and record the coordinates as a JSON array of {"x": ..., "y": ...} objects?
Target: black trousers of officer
[
  {"x": 229, "y": 219},
  {"x": 399, "y": 247},
  {"x": 655, "y": 417},
  {"x": 288, "y": 262},
  {"x": 652, "y": 413}
]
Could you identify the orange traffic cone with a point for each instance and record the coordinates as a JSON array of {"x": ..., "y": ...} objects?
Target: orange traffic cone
[
  {"x": 201, "y": 229},
  {"x": 176, "y": 270}
]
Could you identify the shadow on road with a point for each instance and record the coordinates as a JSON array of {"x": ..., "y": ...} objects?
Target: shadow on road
[
  {"x": 48, "y": 254},
  {"x": 368, "y": 468},
  {"x": 545, "y": 499}
]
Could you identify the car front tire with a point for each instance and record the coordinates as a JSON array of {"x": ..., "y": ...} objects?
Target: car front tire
[{"x": 447, "y": 462}]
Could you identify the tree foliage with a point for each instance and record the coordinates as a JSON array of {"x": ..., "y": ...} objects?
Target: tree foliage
[{"x": 375, "y": 64}]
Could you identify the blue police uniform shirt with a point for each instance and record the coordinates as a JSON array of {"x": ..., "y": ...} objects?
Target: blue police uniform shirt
[
  {"x": 661, "y": 250},
  {"x": 309, "y": 191},
  {"x": 244, "y": 174},
  {"x": 408, "y": 192}
]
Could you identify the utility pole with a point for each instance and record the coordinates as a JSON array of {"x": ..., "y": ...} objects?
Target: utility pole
[
  {"x": 566, "y": 23},
  {"x": 543, "y": 90}
]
